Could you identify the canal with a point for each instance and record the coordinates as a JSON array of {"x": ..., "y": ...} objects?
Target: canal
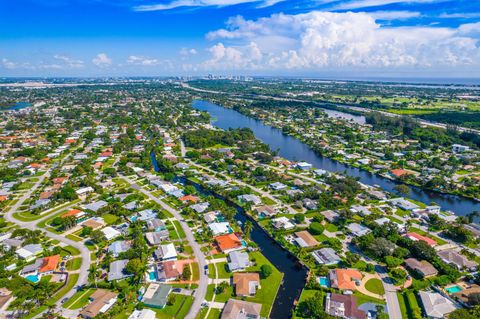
[
  {"x": 295, "y": 150},
  {"x": 294, "y": 274}
]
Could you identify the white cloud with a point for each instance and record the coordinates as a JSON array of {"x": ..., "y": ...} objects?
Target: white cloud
[
  {"x": 186, "y": 52},
  {"x": 394, "y": 15},
  {"x": 462, "y": 15},
  {"x": 203, "y": 3},
  {"x": 69, "y": 62},
  {"x": 356, "y": 4},
  {"x": 102, "y": 60},
  {"x": 141, "y": 60},
  {"x": 7, "y": 64},
  {"x": 322, "y": 40}
]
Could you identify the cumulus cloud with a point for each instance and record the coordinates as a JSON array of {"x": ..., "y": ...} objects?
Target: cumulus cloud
[
  {"x": 203, "y": 3},
  {"x": 141, "y": 60},
  {"x": 102, "y": 60},
  {"x": 318, "y": 40}
]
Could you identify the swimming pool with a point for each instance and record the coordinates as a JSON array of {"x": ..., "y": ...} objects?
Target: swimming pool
[
  {"x": 323, "y": 281},
  {"x": 33, "y": 278},
  {"x": 152, "y": 276},
  {"x": 453, "y": 289}
]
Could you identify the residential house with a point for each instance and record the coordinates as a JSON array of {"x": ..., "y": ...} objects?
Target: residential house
[
  {"x": 117, "y": 270},
  {"x": 155, "y": 224},
  {"x": 305, "y": 239},
  {"x": 282, "y": 223},
  {"x": 95, "y": 206},
  {"x": 143, "y": 314},
  {"x": 110, "y": 233},
  {"x": 423, "y": 268},
  {"x": 453, "y": 257},
  {"x": 249, "y": 198},
  {"x": 304, "y": 166},
  {"x": 277, "y": 186},
  {"x": 220, "y": 228},
  {"x": 156, "y": 295},
  {"x": 239, "y": 309},
  {"x": 165, "y": 252},
  {"x": 326, "y": 256},
  {"x": 155, "y": 238},
  {"x": 228, "y": 243},
  {"x": 414, "y": 236},
  {"x": 265, "y": 211},
  {"x": 468, "y": 296},
  {"x": 118, "y": 247},
  {"x": 436, "y": 305},
  {"x": 238, "y": 261},
  {"x": 331, "y": 216},
  {"x": 344, "y": 279},
  {"x": 343, "y": 306},
  {"x": 200, "y": 207},
  {"x": 28, "y": 252},
  {"x": 358, "y": 230},
  {"x": 167, "y": 271},
  {"x": 246, "y": 284},
  {"x": 100, "y": 302}
]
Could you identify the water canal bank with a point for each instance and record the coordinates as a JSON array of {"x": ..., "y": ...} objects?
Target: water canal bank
[{"x": 295, "y": 150}]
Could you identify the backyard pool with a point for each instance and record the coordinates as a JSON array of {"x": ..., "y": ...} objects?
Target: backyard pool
[
  {"x": 33, "y": 278},
  {"x": 152, "y": 276},
  {"x": 323, "y": 281},
  {"x": 453, "y": 289}
]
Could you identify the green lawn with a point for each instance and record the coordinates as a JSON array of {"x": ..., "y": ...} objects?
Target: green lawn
[
  {"x": 307, "y": 293},
  {"x": 79, "y": 299},
  {"x": 71, "y": 250},
  {"x": 222, "y": 269},
  {"x": 178, "y": 310},
  {"x": 74, "y": 238},
  {"x": 361, "y": 299},
  {"x": 74, "y": 264},
  {"x": 269, "y": 286},
  {"x": 375, "y": 285},
  {"x": 179, "y": 228},
  {"x": 110, "y": 219},
  {"x": 72, "y": 280}
]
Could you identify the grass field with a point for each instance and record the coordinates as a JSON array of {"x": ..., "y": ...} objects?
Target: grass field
[
  {"x": 375, "y": 285},
  {"x": 74, "y": 264},
  {"x": 79, "y": 299}
]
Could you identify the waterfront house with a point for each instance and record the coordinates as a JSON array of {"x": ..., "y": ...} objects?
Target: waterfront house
[
  {"x": 249, "y": 198},
  {"x": 343, "y": 306},
  {"x": 326, "y": 256},
  {"x": 265, "y": 211},
  {"x": 305, "y": 239},
  {"x": 237, "y": 309},
  {"x": 238, "y": 261},
  {"x": 246, "y": 284},
  {"x": 282, "y": 223}
]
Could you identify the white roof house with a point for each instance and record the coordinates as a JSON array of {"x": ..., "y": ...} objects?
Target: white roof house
[
  {"x": 282, "y": 223},
  {"x": 110, "y": 232},
  {"x": 84, "y": 190},
  {"x": 166, "y": 252},
  {"x": 436, "y": 305},
  {"x": 142, "y": 314},
  {"x": 358, "y": 230},
  {"x": 29, "y": 251},
  {"x": 219, "y": 228}
]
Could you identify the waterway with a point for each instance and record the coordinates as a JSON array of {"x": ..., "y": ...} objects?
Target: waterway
[
  {"x": 295, "y": 150},
  {"x": 294, "y": 274},
  {"x": 16, "y": 106}
]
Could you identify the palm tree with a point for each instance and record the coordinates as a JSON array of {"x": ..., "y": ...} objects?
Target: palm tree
[
  {"x": 247, "y": 228},
  {"x": 92, "y": 274}
]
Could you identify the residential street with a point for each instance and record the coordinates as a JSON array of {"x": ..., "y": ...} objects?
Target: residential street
[{"x": 201, "y": 291}]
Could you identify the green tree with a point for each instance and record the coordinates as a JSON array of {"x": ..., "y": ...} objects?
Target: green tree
[{"x": 265, "y": 271}]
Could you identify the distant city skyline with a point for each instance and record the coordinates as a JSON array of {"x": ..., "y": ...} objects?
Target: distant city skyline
[{"x": 318, "y": 38}]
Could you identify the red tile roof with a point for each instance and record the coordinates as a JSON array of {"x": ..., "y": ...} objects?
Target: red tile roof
[
  {"x": 415, "y": 236},
  {"x": 227, "y": 242},
  {"x": 50, "y": 263}
]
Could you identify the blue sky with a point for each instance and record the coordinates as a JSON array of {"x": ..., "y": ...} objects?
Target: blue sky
[{"x": 413, "y": 38}]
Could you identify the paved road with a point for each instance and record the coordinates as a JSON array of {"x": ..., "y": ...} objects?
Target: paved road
[
  {"x": 393, "y": 307},
  {"x": 32, "y": 225},
  {"x": 201, "y": 291}
]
